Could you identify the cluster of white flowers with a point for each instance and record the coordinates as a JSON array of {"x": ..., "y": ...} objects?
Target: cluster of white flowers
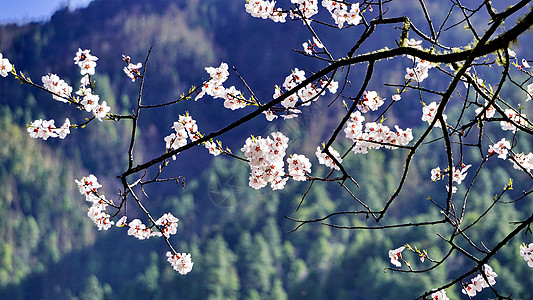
[
  {"x": 89, "y": 100},
  {"x": 489, "y": 112},
  {"x": 167, "y": 224},
  {"x": 184, "y": 128},
  {"x": 45, "y": 129},
  {"x": 439, "y": 295},
  {"x": 526, "y": 251},
  {"x": 478, "y": 283},
  {"x": 522, "y": 160},
  {"x": 421, "y": 68},
  {"x": 265, "y": 157},
  {"x": 233, "y": 98},
  {"x": 519, "y": 119},
  {"x": 265, "y": 10},
  {"x": 458, "y": 175},
  {"x": 5, "y": 66},
  {"x": 307, "y": 95},
  {"x": 339, "y": 12},
  {"x": 131, "y": 70},
  {"x": 298, "y": 166},
  {"x": 371, "y": 101},
  {"x": 307, "y": 8},
  {"x": 86, "y": 61},
  {"x": 326, "y": 160},
  {"x": 395, "y": 255},
  {"x": 309, "y": 47},
  {"x": 180, "y": 262},
  {"x": 374, "y": 134},
  {"x": 88, "y": 186},
  {"x": 60, "y": 89},
  {"x": 501, "y": 148},
  {"x": 428, "y": 114}
]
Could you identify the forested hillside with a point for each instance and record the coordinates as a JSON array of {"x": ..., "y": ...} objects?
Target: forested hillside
[{"x": 239, "y": 237}]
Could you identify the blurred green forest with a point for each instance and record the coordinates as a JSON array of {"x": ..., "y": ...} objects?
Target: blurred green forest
[{"x": 238, "y": 237}]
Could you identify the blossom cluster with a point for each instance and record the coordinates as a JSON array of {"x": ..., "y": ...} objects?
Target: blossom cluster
[
  {"x": 458, "y": 175},
  {"x": 46, "y": 128},
  {"x": 58, "y": 87},
  {"x": 88, "y": 186},
  {"x": 501, "y": 148},
  {"x": 166, "y": 226},
  {"x": 233, "y": 98},
  {"x": 523, "y": 161},
  {"x": 395, "y": 255},
  {"x": 5, "y": 66},
  {"x": 526, "y": 251},
  {"x": 429, "y": 112},
  {"x": 306, "y": 95},
  {"x": 489, "y": 111},
  {"x": 309, "y": 47},
  {"x": 265, "y": 157},
  {"x": 421, "y": 68},
  {"x": 89, "y": 100},
  {"x": 478, "y": 283},
  {"x": 265, "y": 10},
  {"x": 298, "y": 166},
  {"x": 374, "y": 135},
  {"x": 339, "y": 12},
  {"x": 184, "y": 128},
  {"x": 180, "y": 262},
  {"x": 325, "y": 159},
  {"x": 439, "y": 295},
  {"x": 517, "y": 118},
  {"x": 131, "y": 70}
]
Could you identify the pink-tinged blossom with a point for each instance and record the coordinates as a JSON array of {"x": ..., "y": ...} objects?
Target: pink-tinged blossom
[
  {"x": 489, "y": 112},
  {"x": 265, "y": 158},
  {"x": 396, "y": 97},
  {"x": 526, "y": 251},
  {"x": 529, "y": 92},
  {"x": 139, "y": 230},
  {"x": 180, "y": 262},
  {"x": 436, "y": 174},
  {"x": 309, "y": 47},
  {"x": 100, "y": 111},
  {"x": 233, "y": 99},
  {"x": 395, "y": 256},
  {"x": 168, "y": 225},
  {"x": 501, "y": 148},
  {"x": 326, "y": 160},
  {"x": 46, "y": 128},
  {"x": 122, "y": 222},
  {"x": 82, "y": 56},
  {"x": 299, "y": 166},
  {"x": 132, "y": 71},
  {"x": 296, "y": 77},
  {"x": 100, "y": 218},
  {"x": 371, "y": 101},
  {"x": 57, "y": 86},
  {"x": 90, "y": 102},
  {"x": 522, "y": 160},
  {"x": 270, "y": 115},
  {"x": 460, "y": 174},
  {"x": 478, "y": 283},
  {"x": 439, "y": 295},
  {"x": 212, "y": 147},
  {"x": 220, "y": 74},
  {"x": 519, "y": 119},
  {"x": 86, "y": 62},
  {"x": 5, "y": 66},
  {"x": 428, "y": 114}
]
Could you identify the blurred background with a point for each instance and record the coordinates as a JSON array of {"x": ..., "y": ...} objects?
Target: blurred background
[{"x": 238, "y": 237}]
